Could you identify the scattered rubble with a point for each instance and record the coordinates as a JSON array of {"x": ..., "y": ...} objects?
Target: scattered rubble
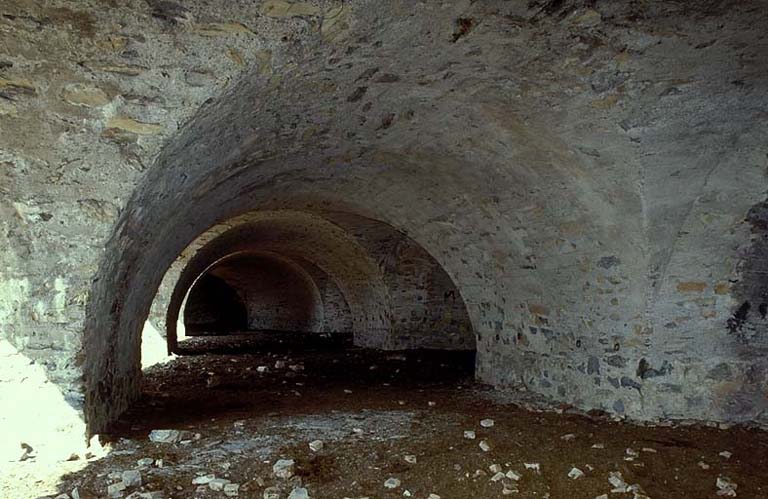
[
  {"x": 271, "y": 493},
  {"x": 285, "y": 459},
  {"x": 617, "y": 481},
  {"x": 131, "y": 478},
  {"x": 533, "y": 466},
  {"x": 725, "y": 487},
  {"x": 299, "y": 493},
  {"x": 575, "y": 473},
  {"x": 165, "y": 436},
  {"x": 392, "y": 483},
  {"x": 203, "y": 480},
  {"x": 284, "y": 468}
]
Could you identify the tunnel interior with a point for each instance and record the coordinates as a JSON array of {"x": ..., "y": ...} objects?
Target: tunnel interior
[
  {"x": 292, "y": 199},
  {"x": 249, "y": 292},
  {"x": 331, "y": 273},
  {"x": 214, "y": 306}
]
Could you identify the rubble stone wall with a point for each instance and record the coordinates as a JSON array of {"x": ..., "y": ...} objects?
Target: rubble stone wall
[{"x": 590, "y": 175}]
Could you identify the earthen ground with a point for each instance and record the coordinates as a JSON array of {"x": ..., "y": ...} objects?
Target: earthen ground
[{"x": 373, "y": 408}]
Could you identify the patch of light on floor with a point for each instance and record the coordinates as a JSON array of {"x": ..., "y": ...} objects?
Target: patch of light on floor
[
  {"x": 154, "y": 348},
  {"x": 39, "y": 430}
]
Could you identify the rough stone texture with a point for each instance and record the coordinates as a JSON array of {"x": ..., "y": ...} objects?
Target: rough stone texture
[
  {"x": 590, "y": 175},
  {"x": 395, "y": 294},
  {"x": 278, "y": 294}
]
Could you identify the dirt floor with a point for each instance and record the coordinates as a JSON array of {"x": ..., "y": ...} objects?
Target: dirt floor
[{"x": 399, "y": 416}]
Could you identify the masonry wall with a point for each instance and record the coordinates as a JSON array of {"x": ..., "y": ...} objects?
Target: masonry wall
[{"x": 590, "y": 176}]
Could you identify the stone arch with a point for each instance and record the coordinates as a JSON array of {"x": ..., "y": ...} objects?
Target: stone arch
[
  {"x": 291, "y": 235},
  {"x": 214, "y": 306},
  {"x": 276, "y": 293}
]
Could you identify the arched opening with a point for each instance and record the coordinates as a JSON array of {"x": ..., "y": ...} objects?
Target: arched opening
[
  {"x": 214, "y": 307},
  {"x": 318, "y": 272},
  {"x": 253, "y": 292}
]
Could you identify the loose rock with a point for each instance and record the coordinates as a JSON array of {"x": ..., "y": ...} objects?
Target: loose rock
[
  {"x": 575, "y": 473},
  {"x": 392, "y": 483},
  {"x": 165, "y": 436},
  {"x": 271, "y": 493},
  {"x": 231, "y": 489},
  {"x": 726, "y": 488},
  {"x": 284, "y": 468},
  {"x": 299, "y": 493},
  {"x": 131, "y": 478},
  {"x": 217, "y": 484}
]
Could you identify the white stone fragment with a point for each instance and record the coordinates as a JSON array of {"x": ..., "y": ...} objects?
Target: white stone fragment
[
  {"x": 280, "y": 364},
  {"x": 392, "y": 483},
  {"x": 513, "y": 475},
  {"x": 231, "y": 489},
  {"x": 533, "y": 466},
  {"x": 598, "y": 446},
  {"x": 568, "y": 437},
  {"x": 410, "y": 459},
  {"x": 485, "y": 446},
  {"x": 262, "y": 369},
  {"x": 131, "y": 478},
  {"x": 115, "y": 489},
  {"x": 703, "y": 465},
  {"x": 726, "y": 454},
  {"x": 203, "y": 480},
  {"x": 726, "y": 487},
  {"x": 165, "y": 436},
  {"x": 487, "y": 423},
  {"x": 631, "y": 454},
  {"x": 602, "y": 496},
  {"x": 146, "y": 461},
  {"x": 217, "y": 484},
  {"x": 433, "y": 496},
  {"x": 575, "y": 473},
  {"x": 495, "y": 468},
  {"x": 470, "y": 434},
  {"x": 618, "y": 483},
  {"x": 316, "y": 445},
  {"x": 271, "y": 493},
  {"x": 498, "y": 476},
  {"x": 283, "y": 468}
]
